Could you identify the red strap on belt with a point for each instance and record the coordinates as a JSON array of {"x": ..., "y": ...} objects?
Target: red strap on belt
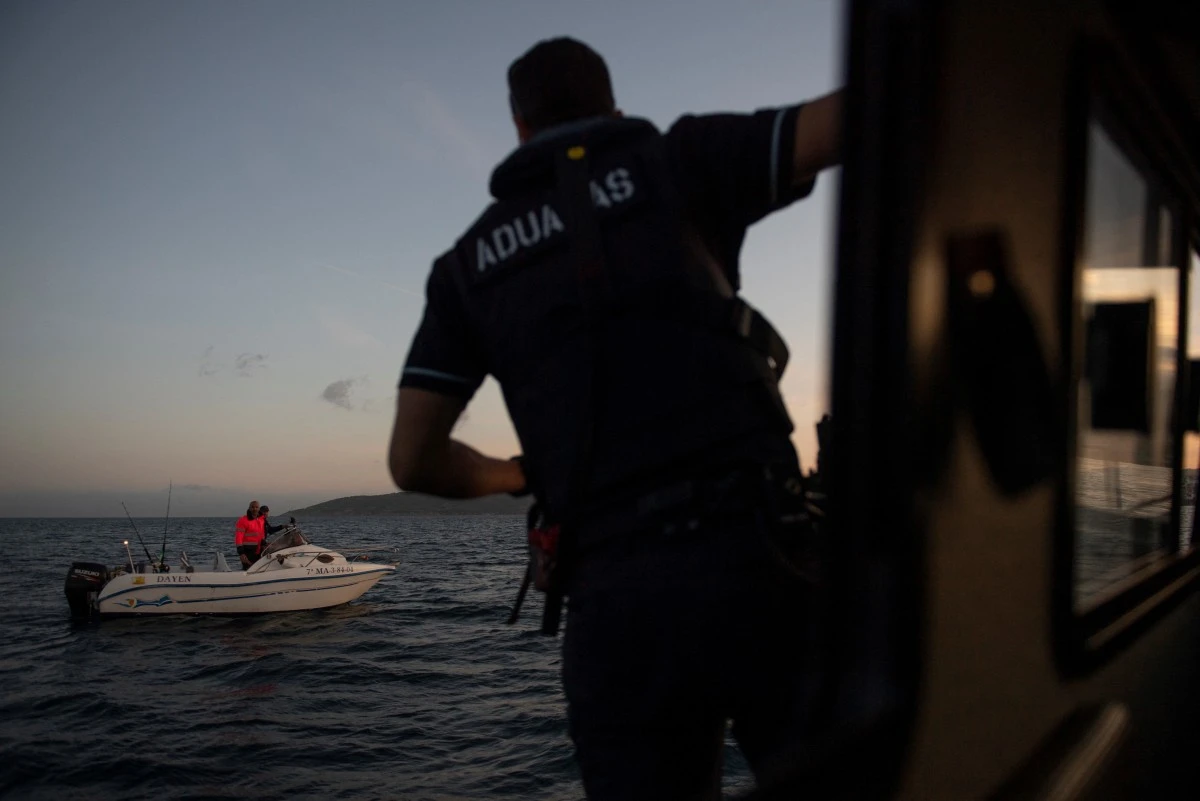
[{"x": 545, "y": 538}]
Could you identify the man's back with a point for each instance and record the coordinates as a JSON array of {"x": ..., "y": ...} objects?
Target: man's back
[
  {"x": 599, "y": 290},
  {"x": 651, "y": 356}
]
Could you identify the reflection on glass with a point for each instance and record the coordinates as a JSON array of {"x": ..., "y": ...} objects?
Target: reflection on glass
[
  {"x": 1191, "y": 440},
  {"x": 1125, "y": 476}
]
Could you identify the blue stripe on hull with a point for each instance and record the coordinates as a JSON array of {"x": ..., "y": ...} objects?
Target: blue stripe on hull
[
  {"x": 145, "y": 587},
  {"x": 165, "y": 600},
  {"x": 142, "y": 588}
]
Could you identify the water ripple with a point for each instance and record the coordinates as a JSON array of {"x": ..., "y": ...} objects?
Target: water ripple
[{"x": 416, "y": 691}]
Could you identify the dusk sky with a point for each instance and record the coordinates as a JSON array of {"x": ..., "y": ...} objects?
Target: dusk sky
[{"x": 217, "y": 218}]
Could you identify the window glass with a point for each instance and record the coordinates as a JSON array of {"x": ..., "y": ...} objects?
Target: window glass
[
  {"x": 1126, "y": 475},
  {"x": 1191, "y": 440}
]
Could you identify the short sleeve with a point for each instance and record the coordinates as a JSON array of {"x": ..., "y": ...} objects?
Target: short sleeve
[
  {"x": 444, "y": 357},
  {"x": 738, "y": 167}
]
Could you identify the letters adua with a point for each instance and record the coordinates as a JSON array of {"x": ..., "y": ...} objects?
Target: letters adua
[{"x": 537, "y": 225}]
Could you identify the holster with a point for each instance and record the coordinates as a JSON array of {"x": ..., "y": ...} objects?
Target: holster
[
  {"x": 544, "y": 570},
  {"x": 543, "y": 555},
  {"x": 793, "y": 522}
]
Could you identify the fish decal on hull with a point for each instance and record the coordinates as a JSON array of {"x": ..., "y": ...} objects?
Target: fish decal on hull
[{"x": 134, "y": 603}]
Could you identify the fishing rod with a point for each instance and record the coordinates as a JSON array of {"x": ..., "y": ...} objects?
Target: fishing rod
[
  {"x": 162, "y": 560},
  {"x": 149, "y": 558}
]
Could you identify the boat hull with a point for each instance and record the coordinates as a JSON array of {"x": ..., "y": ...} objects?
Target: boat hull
[{"x": 237, "y": 592}]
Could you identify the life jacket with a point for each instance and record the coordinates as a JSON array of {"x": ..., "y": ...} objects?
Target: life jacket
[
  {"x": 249, "y": 532},
  {"x": 673, "y": 388}
]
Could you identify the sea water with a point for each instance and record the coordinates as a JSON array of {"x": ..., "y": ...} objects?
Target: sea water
[{"x": 418, "y": 690}]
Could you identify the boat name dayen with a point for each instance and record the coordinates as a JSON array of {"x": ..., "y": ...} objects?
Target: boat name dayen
[{"x": 172, "y": 579}]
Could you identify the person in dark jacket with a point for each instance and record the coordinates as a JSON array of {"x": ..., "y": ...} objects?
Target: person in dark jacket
[
  {"x": 600, "y": 290},
  {"x": 269, "y": 530},
  {"x": 265, "y": 512}
]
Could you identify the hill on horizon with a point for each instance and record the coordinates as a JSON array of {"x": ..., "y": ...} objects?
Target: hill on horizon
[{"x": 412, "y": 503}]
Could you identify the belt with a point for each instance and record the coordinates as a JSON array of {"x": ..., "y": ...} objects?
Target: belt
[{"x": 666, "y": 507}]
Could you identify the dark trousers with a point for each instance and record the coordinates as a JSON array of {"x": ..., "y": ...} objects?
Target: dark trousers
[
  {"x": 251, "y": 552},
  {"x": 669, "y": 637}
]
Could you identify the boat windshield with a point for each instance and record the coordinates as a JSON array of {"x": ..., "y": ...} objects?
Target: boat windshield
[{"x": 289, "y": 538}]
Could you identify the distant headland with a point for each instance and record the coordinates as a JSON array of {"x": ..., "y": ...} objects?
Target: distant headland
[{"x": 411, "y": 503}]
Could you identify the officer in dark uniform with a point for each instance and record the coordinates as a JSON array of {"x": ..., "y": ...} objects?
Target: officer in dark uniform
[{"x": 600, "y": 290}]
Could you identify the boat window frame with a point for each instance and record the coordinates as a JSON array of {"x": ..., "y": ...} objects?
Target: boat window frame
[{"x": 1102, "y": 89}]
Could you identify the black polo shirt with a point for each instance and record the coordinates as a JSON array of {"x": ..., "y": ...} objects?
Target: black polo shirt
[{"x": 730, "y": 170}]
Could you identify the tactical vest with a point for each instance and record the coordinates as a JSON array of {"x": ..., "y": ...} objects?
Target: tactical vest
[{"x": 673, "y": 390}]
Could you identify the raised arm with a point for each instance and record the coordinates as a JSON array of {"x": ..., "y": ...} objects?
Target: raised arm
[
  {"x": 423, "y": 458},
  {"x": 818, "y": 137}
]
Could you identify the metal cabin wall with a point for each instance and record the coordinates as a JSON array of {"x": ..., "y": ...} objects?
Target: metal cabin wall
[{"x": 990, "y": 686}]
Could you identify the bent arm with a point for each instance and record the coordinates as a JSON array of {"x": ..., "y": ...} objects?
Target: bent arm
[
  {"x": 818, "y": 137},
  {"x": 423, "y": 458}
]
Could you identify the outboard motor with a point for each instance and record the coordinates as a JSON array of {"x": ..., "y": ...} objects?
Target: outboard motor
[{"x": 84, "y": 582}]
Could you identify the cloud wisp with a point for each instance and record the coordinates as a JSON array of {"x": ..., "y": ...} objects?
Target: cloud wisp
[
  {"x": 248, "y": 365},
  {"x": 443, "y": 125},
  {"x": 339, "y": 392},
  {"x": 378, "y": 404},
  {"x": 245, "y": 365},
  {"x": 207, "y": 367},
  {"x": 347, "y": 333},
  {"x": 387, "y": 284}
]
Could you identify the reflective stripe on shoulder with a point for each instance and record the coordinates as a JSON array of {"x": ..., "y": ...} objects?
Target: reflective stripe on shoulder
[
  {"x": 425, "y": 371},
  {"x": 776, "y": 131}
]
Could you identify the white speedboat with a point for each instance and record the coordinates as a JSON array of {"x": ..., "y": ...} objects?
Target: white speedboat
[{"x": 291, "y": 575}]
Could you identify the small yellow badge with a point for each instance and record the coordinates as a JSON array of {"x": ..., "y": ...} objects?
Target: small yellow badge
[
  {"x": 139, "y": 579},
  {"x": 576, "y": 153}
]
